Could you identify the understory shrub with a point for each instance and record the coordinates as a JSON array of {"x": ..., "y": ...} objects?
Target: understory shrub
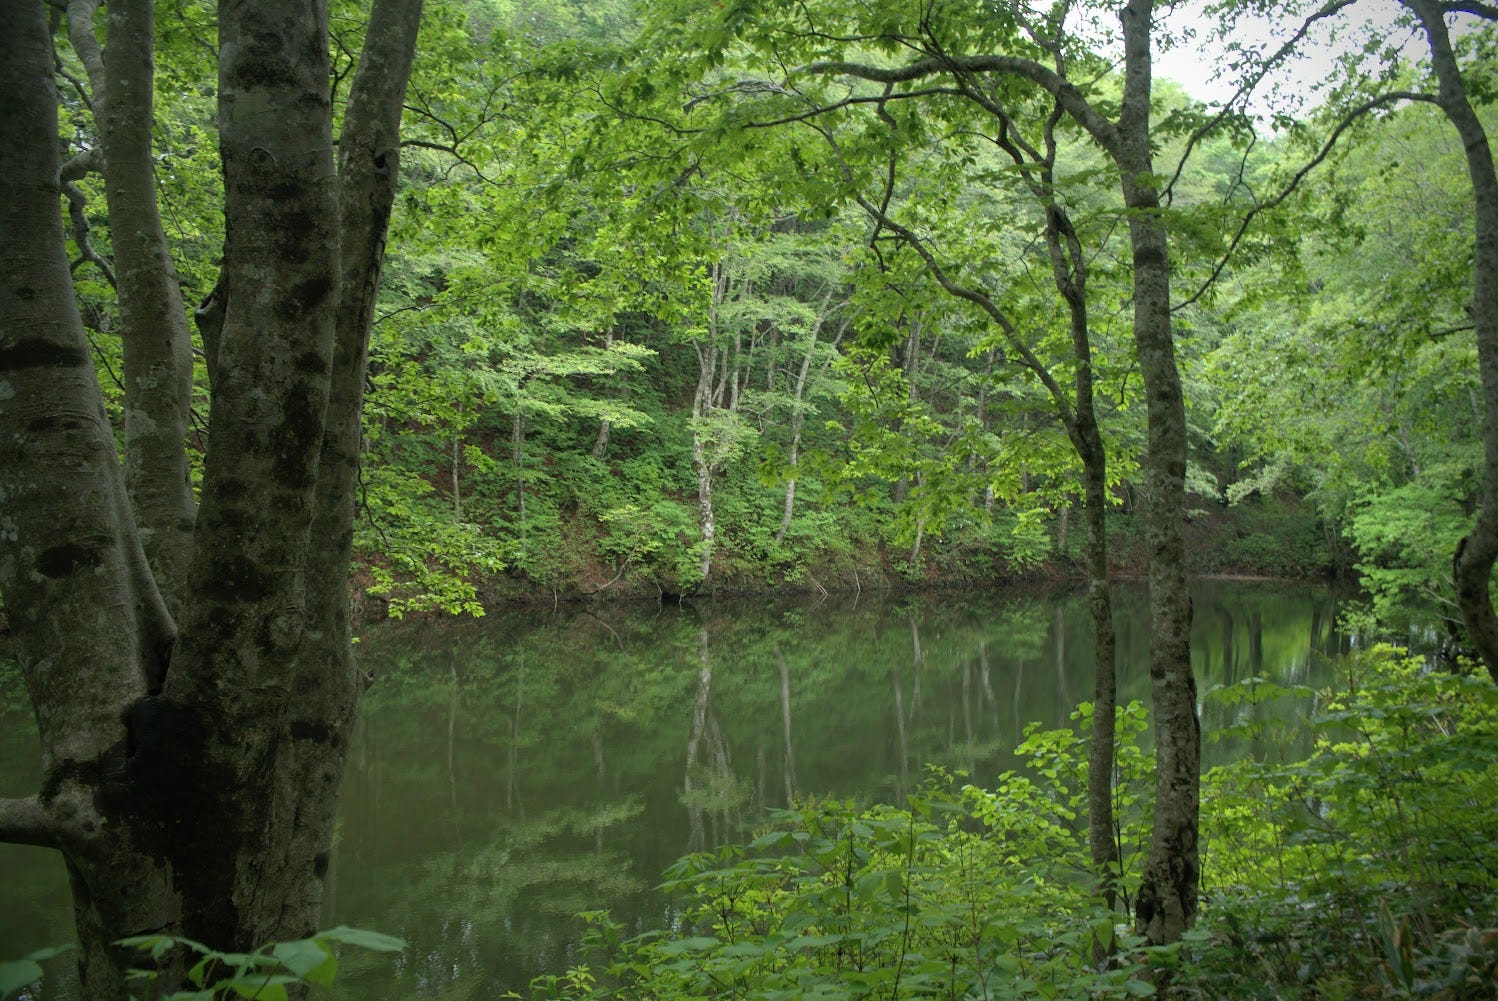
[
  {"x": 1363, "y": 870},
  {"x": 1367, "y": 868}
]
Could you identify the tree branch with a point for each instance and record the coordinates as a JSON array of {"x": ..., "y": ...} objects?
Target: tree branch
[
  {"x": 1381, "y": 101},
  {"x": 1247, "y": 87},
  {"x": 1071, "y": 98},
  {"x": 1486, "y": 11},
  {"x": 77, "y": 203},
  {"x": 27, "y": 822}
]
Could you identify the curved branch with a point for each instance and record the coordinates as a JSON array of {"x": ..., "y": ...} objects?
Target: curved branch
[
  {"x": 85, "y": 43},
  {"x": 1071, "y": 98},
  {"x": 1486, "y": 11},
  {"x": 1381, "y": 101},
  {"x": 77, "y": 202}
]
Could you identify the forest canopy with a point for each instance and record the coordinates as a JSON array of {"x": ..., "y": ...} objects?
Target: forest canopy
[{"x": 313, "y": 316}]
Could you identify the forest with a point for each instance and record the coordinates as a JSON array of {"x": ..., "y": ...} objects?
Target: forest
[{"x": 316, "y": 318}]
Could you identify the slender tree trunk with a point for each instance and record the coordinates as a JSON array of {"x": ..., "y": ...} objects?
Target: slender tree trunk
[
  {"x": 1472, "y": 566},
  {"x": 157, "y": 344},
  {"x": 798, "y": 416},
  {"x": 1167, "y": 899}
]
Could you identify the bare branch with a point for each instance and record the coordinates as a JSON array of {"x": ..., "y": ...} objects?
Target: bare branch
[
  {"x": 77, "y": 203},
  {"x": 1486, "y": 11}
]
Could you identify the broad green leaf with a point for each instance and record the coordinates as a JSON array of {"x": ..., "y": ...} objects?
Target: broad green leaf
[
  {"x": 373, "y": 940},
  {"x": 17, "y": 974},
  {"x": 309, "y": 959}
]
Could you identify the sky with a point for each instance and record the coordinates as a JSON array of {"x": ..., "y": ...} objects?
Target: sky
[{"x": 1197, "y": 66}]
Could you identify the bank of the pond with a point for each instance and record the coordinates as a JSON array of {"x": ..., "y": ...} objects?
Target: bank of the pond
[{"x": 1281, "y": 539}]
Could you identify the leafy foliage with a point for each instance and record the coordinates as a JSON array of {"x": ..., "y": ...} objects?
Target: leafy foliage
[
  {"x": 1360, "y": 869},
  {"x": 1365, "y": 865}
]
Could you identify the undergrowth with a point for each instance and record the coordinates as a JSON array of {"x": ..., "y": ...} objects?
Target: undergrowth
[{"x": 1362, "y": 870}]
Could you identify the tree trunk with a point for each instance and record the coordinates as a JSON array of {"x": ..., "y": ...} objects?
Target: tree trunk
[
  {"x": 153, "y": 324},
  {"x": 197, "y": 796},
  {"x": 73, "y": 574},
  {"x": 1472, "y": 566},
  {"x": 1168, "y": 897}
]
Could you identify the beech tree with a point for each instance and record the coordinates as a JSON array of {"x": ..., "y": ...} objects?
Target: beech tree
[
  {"x": 193, "y": 722},
  {"x": 825, "y": 59}
]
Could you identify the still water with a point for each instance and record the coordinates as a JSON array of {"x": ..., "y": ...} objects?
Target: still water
[{"x": 511, "y": 772}]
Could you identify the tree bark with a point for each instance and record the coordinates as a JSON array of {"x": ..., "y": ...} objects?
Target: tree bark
[
  {"x": 192, "y": 788},
  {"x": 158, "y": 366},
  {"x": 73, "y": 575},
  {"x": 1472, "y": 565},
  {"x": 1167, "y": 899}
]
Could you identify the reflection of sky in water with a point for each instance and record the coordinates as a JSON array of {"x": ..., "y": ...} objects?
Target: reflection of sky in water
[{"x": 511, "y": 772}]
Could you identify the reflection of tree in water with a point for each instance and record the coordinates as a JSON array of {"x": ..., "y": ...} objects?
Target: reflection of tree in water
[
  {"x": 710, "y": 789},
  {"x": 789, "y": 762},
  {"x": 519, "y": 891},
  {"x": 565, "y": 755}
]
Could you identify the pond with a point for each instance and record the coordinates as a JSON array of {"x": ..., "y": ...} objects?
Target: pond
[{"x": 510, "y": 772}]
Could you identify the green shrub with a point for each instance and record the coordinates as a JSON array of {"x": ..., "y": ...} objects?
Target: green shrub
[{"x": 1366, "y": 866}]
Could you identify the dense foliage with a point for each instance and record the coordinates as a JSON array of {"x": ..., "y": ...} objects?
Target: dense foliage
[
  {"x": 689, "y": 297},
  {"x": 625, "y": 347}
]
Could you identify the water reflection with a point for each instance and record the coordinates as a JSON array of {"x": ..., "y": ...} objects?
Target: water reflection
[{"x": 511, "y": 772}]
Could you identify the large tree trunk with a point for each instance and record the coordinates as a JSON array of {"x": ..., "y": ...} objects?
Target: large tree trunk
[
  {"x": 197, "y": 796},
  {"x": 157, "y": 345},
  {"x": 1168, "y": 897},
  {"x": 1472, "y": 566},
  {"x": 91, "y": 631}
]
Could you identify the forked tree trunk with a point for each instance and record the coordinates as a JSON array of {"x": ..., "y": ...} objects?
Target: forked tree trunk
[
  {"x": 75, "y": 580},
  {"x": 192, "y": 788}
]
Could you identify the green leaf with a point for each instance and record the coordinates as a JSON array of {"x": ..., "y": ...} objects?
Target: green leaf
[
  {"x": 160, "y": 945},
  {"x": 372, "y": 940},
  {"x": 262, "y": 988},
  {"x": 309, "y": 959},
  {"x": 17, "y": 974}
]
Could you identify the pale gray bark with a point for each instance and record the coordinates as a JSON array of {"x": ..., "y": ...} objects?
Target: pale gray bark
[
  {"x": 798, "y": 414},
  {"x": 153, "y": 323},
  {"x": 1472, "y": 565},
  {"x": 716, "y": 373}
]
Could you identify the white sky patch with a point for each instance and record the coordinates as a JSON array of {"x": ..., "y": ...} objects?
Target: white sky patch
[{"x": 1202, "y": 66}]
